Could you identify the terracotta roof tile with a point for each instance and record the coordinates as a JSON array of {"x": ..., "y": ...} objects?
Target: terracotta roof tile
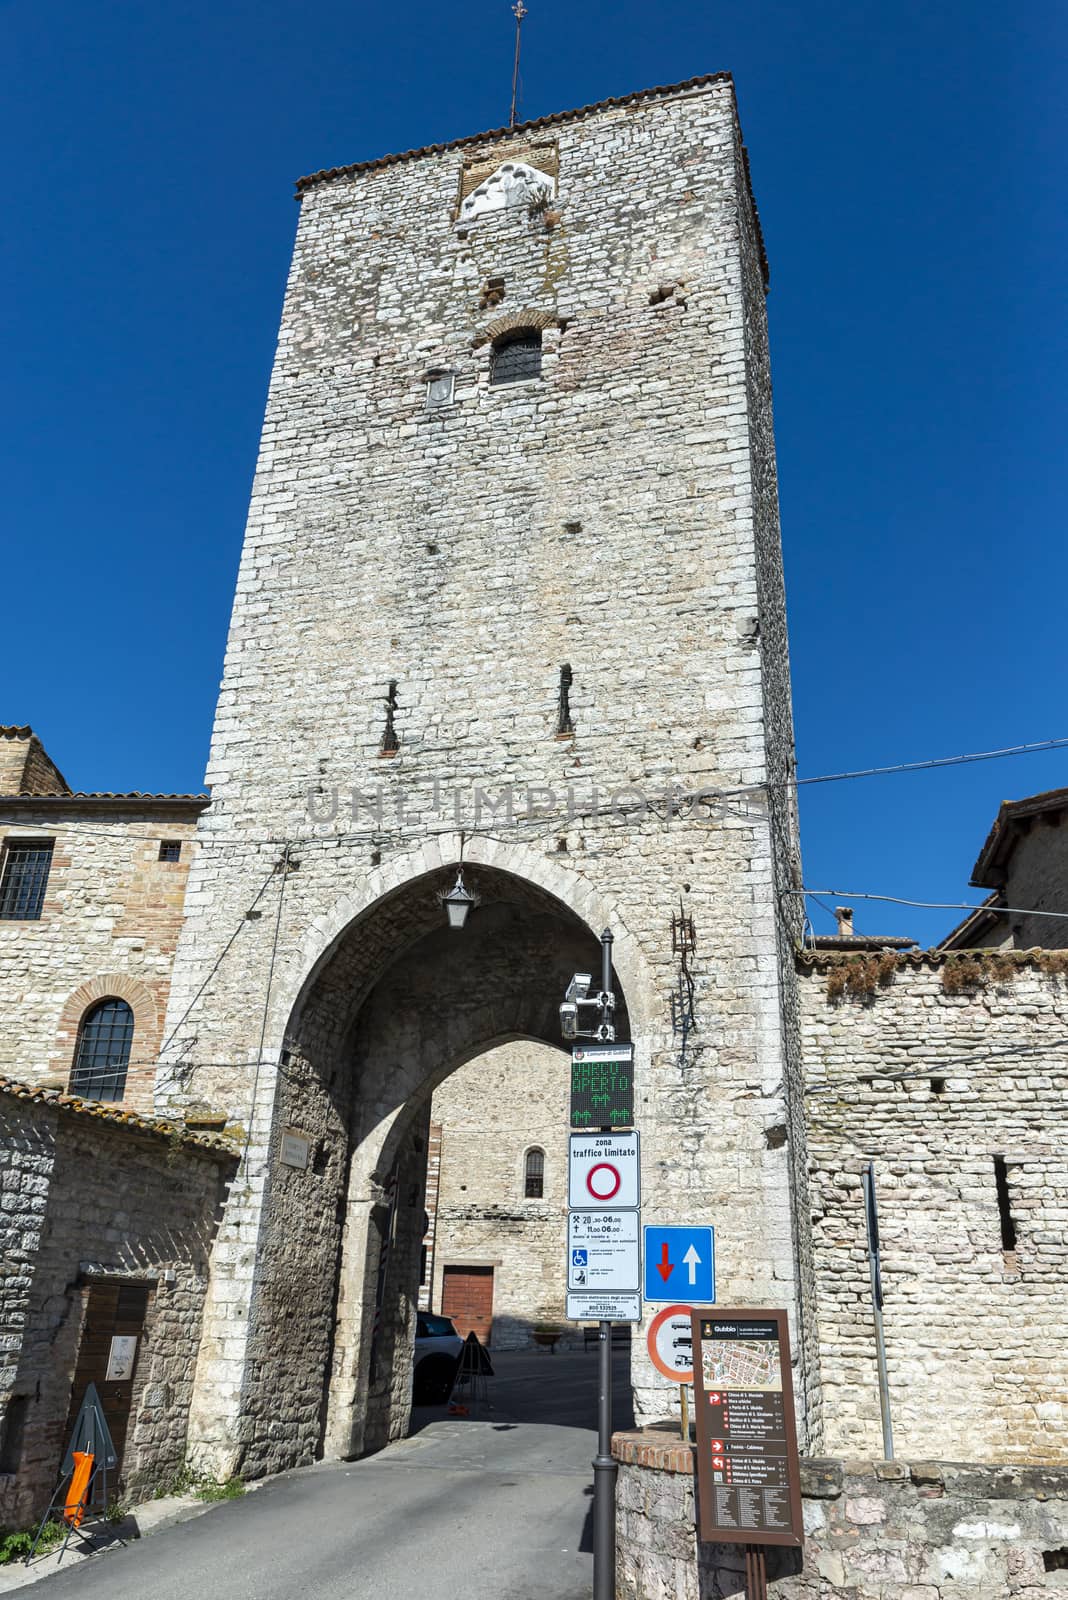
[
  {"x": 99, "y": 1111},
  {"x": 106, "y": 794}
]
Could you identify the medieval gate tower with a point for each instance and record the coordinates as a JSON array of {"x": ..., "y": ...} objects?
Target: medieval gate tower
[{"x": 514, "y": 528}]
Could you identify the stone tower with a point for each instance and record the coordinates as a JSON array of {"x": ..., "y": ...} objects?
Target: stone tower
[{"x": 511, "y": 580}]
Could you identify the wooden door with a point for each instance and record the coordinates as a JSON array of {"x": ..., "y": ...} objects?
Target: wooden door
[
  {"x": 113, "y": 1311},
  {"x": 467, "y": 1297}
]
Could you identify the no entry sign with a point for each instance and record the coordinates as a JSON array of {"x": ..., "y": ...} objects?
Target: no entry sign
[{"x": 603, "y": 1172}]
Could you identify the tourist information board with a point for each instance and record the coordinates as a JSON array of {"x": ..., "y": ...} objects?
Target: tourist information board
[
  {"x": 603, "y": 1172},
  {"x": 748, "y": 1477},
  {"x": 602, "y": 1085},
  {"x": 603, "y": 1253}
]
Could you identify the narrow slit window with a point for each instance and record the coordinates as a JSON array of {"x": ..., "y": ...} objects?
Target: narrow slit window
[
  {"x": 534, "y": 1175},
  {"x": 1008, "y": 1226}
]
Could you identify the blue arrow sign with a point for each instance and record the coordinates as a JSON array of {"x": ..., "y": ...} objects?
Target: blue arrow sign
[{"x": 680, "y": 1264}]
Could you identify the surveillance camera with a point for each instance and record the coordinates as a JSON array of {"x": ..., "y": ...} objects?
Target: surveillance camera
[
  {"x": 579, "y": 987},
  {"x": 569, "y": 1020}
]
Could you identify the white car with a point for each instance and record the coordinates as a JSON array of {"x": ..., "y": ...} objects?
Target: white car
[{"x": 437, "y": 1356}]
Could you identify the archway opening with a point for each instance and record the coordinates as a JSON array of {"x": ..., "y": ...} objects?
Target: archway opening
[{"x": 397, "y": 1004}]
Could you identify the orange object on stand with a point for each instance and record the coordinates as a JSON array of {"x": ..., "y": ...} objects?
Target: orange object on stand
[{"x": 77, "y": 1494}]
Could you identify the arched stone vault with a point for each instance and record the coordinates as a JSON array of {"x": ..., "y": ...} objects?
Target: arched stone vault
[{"x": 395, "y": 1003}]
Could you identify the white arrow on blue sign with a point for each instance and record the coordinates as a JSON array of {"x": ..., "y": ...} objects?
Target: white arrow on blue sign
[{"x": 680, "y": 1264}]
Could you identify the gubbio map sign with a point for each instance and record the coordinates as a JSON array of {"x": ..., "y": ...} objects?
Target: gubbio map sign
[
  {"x": 602, "y": 1085},
  {"x": 748, "y": 1477}
]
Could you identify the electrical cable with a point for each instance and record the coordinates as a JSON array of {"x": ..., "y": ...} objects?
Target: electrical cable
[
  {"x": 266, "y": 1003},
  {"x": 218, "y": 963},
  {"x": 931, "y": 905},
  {"x": 938, "y": 1068}
]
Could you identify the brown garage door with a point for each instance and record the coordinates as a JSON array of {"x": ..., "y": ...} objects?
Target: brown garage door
[
  {"x": 467, "y": 1297},
  {"x": 113, "y": 1311}
]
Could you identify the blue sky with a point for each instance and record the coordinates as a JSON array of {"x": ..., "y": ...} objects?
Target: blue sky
[{"x": 908, "y": 163}]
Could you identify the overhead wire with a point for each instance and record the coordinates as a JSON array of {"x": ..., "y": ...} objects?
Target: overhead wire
[{"x": 930, "y": 905}]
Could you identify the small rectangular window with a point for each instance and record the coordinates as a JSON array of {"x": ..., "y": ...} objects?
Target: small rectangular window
[
  {"x": 170, "y": 850},
  {"x": 516, "y": 357},
  {"x": 22, "y": 888}
]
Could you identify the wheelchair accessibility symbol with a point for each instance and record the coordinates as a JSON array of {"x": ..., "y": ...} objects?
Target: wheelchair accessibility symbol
[{"x": 579, "y": 1258}]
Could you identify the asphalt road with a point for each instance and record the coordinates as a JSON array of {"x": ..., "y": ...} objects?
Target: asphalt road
[{"x": 487, "y": 1507}]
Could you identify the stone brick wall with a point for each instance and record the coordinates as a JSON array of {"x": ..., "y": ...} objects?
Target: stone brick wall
[
  {"x": 873, "y": 1531},
  {"x": 602, "y": 516},
  {"x": 977, "y": 1346},
  {"x": 491, "y": 1111},
  {"x": 109, "y": 926},
  {"x": 25, "y": 765},
  {"x": 1037, "y": 876},
  {"x": 84, "y": 1198}
]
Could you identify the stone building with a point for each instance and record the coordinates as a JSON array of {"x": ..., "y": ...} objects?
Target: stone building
[
  {"x": 1024, "y": 863},
  {"x": 105, "y": 1235},
  {"x": 949, "y": 1074},
  {"x": 496, "y": 1196},
  {"x": 91, "y": 898},
  {"x": 510, "y": 608},
  {"x": 511, "y": 582}
]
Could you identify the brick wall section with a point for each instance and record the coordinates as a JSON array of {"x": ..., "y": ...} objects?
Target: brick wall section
[
  {"x": 491, "y": 1111},
  {"x": 977, "y": 1346},
  {"x": 84, "y": 1196},
  {"x": 109, "y": 925},
  {"x": 603, "y": 516},
  {"x": 916, "y": 1530},
  {"x": 25, "y": 765}
]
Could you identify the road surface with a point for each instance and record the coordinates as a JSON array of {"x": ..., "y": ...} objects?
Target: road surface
[{"x": 483, "y": 1508}]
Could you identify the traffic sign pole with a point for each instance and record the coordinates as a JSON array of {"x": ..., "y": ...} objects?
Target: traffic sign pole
[{"x": 604, "y": 1468}]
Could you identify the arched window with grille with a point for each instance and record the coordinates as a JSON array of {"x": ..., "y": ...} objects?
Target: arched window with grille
[
  {"x": 103, "y": 1051},
  {"x": 534, "y": 1174},
  {"x": 516, "y": 356}
]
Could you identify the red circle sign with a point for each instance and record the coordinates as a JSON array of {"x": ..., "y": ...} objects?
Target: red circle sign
[
  {"x": 606, "y": 1188},
  {"x": 667, "y": 1341}
]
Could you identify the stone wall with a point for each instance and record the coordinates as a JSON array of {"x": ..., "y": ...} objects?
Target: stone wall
[
  {"x": 491, "y": 1112},
  {"x": 873, "y": 1531},
  {"x": 1037, "y": 876},
  {"x": 602, "y": 517},
  {"x": 109, "y": 926},
  {"x": 88, "y": 1197},
  {"x": 932, "y": 1076},
  {"x": 25, "y": 765}
]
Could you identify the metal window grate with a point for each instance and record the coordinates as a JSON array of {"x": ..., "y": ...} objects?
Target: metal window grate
[
  {"x": 534, "y": 1175},
  {"x": 517, "y": 357},
  {"x": 103, "y": 1051},
  {"x": 26, "y": 867},
  {"x": 170, "y": 850}
]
